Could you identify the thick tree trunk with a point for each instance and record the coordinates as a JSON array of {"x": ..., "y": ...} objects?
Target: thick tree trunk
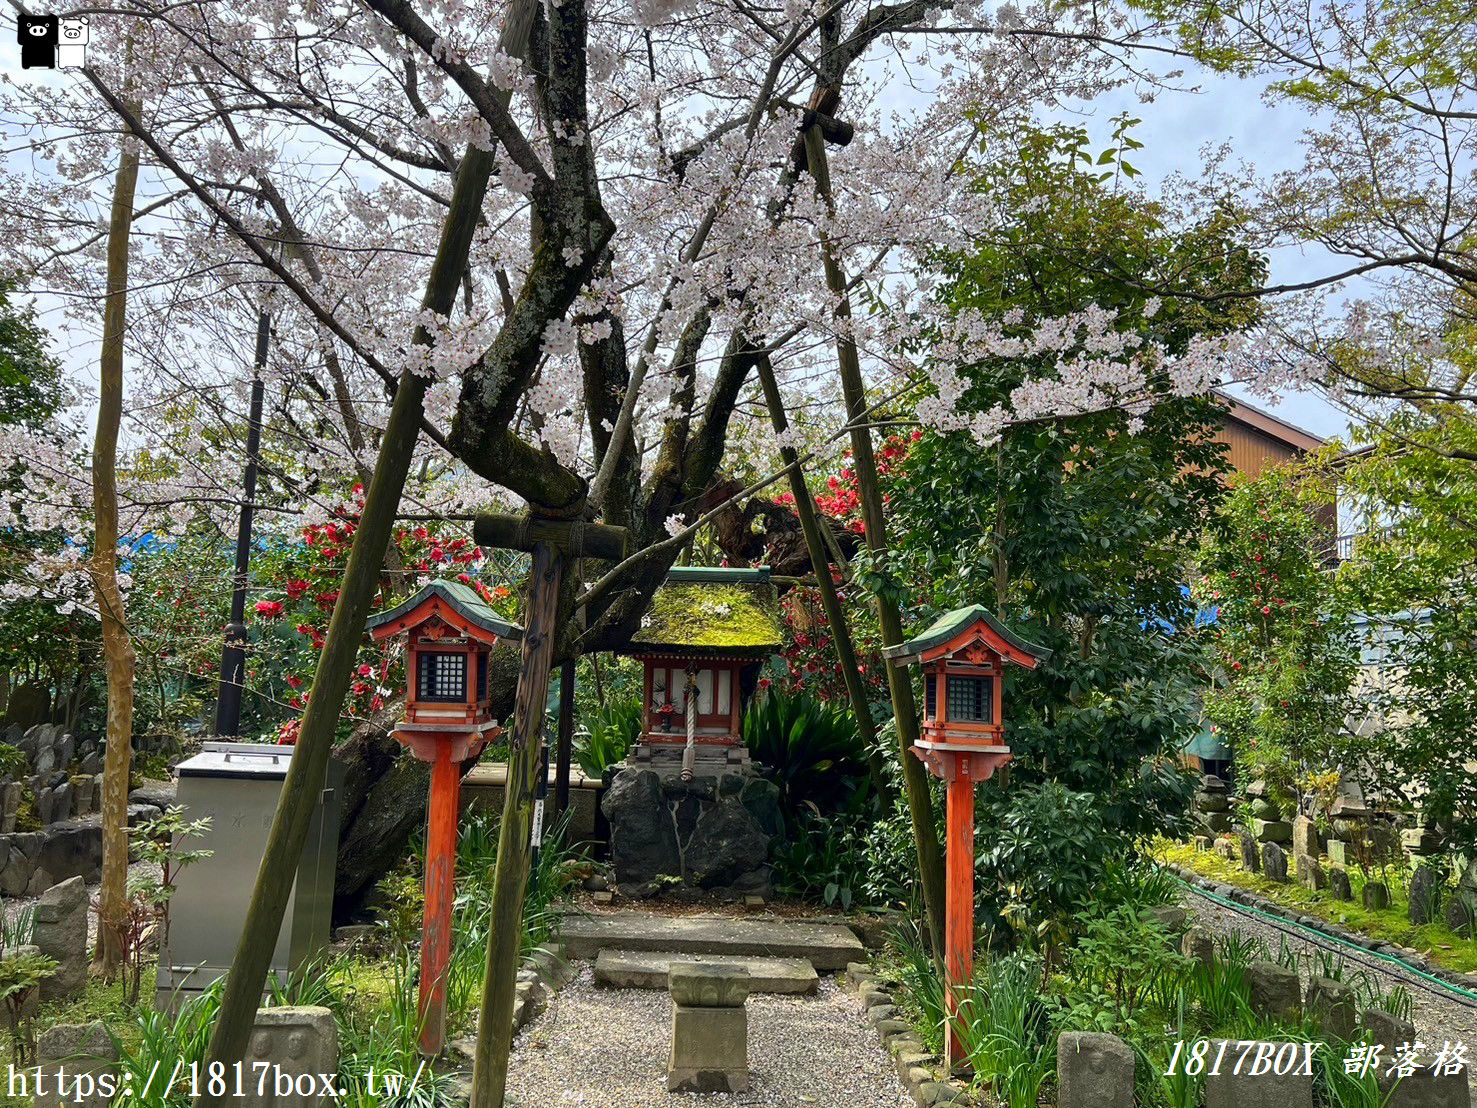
[
  {"x": 905, "y": 708},
  {"x": 118, "y": 654}
]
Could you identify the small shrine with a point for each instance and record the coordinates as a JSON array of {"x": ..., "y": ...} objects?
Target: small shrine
[
  {"x": 701, "y": 646},
  {"x": 688, "y": 807},
  {"x": 963, "y": 655},
  {"x": 449, "y": 631}
]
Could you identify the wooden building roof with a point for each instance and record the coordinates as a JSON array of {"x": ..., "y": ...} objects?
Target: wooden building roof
[{"x": 712, "y": 611}]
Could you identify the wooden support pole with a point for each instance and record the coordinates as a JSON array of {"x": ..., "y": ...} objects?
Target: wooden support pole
[
  {"x": 566, "y": 737},
  {"x": 441, "y": 818},
  {"x": 572, "y": 538},
  {"x": 959, "y": 901}
]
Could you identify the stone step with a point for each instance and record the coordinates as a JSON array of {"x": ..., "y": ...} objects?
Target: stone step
[
  {"x": 642, "y": 969},
  {"x": 827, "y": 947}
]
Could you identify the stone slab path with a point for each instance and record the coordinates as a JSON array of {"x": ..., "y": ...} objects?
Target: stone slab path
[
  {"x": 827, "y": 947},
  {"x": 633, "y": 969},
  {"x": 607, "y": 1048}
]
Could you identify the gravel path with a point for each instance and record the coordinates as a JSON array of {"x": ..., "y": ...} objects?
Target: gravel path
[
  {"x": 1439, "y": 1015},
  {"x": 608, "y": 1048}
]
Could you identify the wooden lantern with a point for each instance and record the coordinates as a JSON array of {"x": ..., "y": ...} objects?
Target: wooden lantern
[
  {"x": 962, "y": 740},
  {"x": 449, "y": 632}
]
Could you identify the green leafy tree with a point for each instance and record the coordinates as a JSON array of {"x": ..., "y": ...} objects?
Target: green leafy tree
[
  {"x": 1413, "y": 570},
  {"x": 1077, "y": 531},
  {"x": 1287, "y": 652}
]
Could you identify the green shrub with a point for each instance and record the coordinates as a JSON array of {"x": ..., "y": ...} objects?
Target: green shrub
[
  {"x": 13, "y": 762},
  {"x": 611, "y": 732},
  {"x": 811, "y": 749}
]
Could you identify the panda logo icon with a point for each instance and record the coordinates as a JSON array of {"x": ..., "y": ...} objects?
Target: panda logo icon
[{"x": 39, "y": 36}]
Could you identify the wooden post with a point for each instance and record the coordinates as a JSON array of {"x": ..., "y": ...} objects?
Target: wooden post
[
  {"x": 959, "y": 900},
  {"x": 441, "y": 819},
  {"x": 551, "y": 543},
  {"x": 566, "y": 737}
]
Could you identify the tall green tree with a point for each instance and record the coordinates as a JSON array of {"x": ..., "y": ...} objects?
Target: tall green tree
[{"x": 1077, "y": 531}]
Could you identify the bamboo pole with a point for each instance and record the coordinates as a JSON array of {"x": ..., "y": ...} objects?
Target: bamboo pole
[
  {"x": 810, "y": 528},
  {"x": 306, "y": 774},
  {"x": 905, "y": 709},
  {"x": 510, "y": 875}
]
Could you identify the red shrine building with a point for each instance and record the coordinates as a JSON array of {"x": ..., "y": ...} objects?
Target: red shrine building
[{"x": 701, "y": 645}]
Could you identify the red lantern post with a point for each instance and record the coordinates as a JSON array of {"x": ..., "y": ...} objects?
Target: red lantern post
[
  {"x": 449, "y": 631},
  {"x": 962, "y": 655}
]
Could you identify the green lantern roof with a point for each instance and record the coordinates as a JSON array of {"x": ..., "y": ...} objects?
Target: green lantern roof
[
  {"x": 463, "y": 600},
  {"x": 952, "y": 624},
  {"x": 714, "y": 611}
]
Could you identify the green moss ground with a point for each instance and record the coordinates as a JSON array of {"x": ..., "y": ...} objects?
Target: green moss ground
[{"x": 1390, "y": 925}]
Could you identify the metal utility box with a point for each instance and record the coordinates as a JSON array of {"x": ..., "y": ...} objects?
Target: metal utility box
[{"x": 237, "y": 785}]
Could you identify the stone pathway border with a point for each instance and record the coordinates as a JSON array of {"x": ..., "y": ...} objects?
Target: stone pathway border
[
  {"x": 1413, "y": 958},
  {"x": 917, "y": 1068}
]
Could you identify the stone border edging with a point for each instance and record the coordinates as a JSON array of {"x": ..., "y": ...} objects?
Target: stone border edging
[
  {"x": 1236, "y": 893},
  {"x": 915, "y": 1065}
]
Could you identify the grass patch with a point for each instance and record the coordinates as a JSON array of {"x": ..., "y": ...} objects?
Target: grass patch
[{"x": 1390, "y": 925}]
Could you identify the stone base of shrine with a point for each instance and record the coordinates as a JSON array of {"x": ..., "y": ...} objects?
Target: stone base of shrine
[
  {"x": 713, "y": 834},
  {"x": 709, "y": 759}
]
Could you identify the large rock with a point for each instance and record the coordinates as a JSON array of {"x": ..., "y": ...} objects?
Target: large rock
[
  {"x": 1093, "y": 1071},
  {"x": 1276, "y": 992},
  {"x": 1376, "y": 895},
  {"x": 1251, "y": 858},
  {"x": 86, "y": 1051},
  {"x": 159, "y": 794},
  {"x": 1334, "y": 1006},
  {"x": 20, "y": 862},
  {"x": 72, "y": 848},
  {"x": 1425, "y": 1088},
  {"x": 1257, "y": 1087},
  {"x": 1274, "y": 862},
  {"x": 761, "y": 799},
  {"x": 1425, "y": 895},
  {"x": 643, "y": 840},
  {"x": 1338, "y": 883},
  {"x": 1272, "y": 831},
  {"x": 726, "y": 844},
  {"x": 61, "y": 933},
  {"x": 1387, "y": 1029},
  {"x": 1461, "y": 913},
  {"x": 1304, "y": 837},
  {"x": 1310, "y": 873}
]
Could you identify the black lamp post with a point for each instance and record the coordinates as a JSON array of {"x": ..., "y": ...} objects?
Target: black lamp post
[{"x": 233, "y": 654}]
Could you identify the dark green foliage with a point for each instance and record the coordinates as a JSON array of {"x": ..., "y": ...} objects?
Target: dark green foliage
[
  {"x": 821, "y": 860},
  {"x": 811, "y": 749},
  {"x": 611, "y": 731}
]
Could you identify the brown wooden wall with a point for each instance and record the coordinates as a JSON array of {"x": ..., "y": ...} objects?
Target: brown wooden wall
[{"x": 1252, "y": 452}]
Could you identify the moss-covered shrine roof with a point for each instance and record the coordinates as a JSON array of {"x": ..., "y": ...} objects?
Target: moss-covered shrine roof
[
  {"x": 712, "y": 611},
  {"x": 951, "y": 625},
  {"x": 463, "y": 600}
]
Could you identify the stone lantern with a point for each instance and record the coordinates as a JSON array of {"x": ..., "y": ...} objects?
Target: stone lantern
[
  {"x": 449, "y": 631},
  {"x": 962, "y": 740}
]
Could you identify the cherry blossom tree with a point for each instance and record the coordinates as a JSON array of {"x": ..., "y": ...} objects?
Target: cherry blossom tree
[{"x": 525, "y": 253}]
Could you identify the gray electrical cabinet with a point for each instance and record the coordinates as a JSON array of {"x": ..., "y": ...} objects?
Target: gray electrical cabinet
[{"x": 237, "y": 785}]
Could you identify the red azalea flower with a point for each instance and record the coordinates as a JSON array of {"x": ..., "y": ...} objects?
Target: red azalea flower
[
  {"x": 269, "y": 609},
  {"x": 365, "y": 670},
  {"x": 360, "y": 688},
  {"x": 295, "y": 589},
  {"x": 294, "y": 681}
]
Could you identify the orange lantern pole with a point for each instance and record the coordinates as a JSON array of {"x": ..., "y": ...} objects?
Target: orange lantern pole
[
  {"x": 441, "y": 820},
  {"x": 449, "y": 630},
  {"x": 962, "y": 740},
  {"x": 958, "y": 900}
]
